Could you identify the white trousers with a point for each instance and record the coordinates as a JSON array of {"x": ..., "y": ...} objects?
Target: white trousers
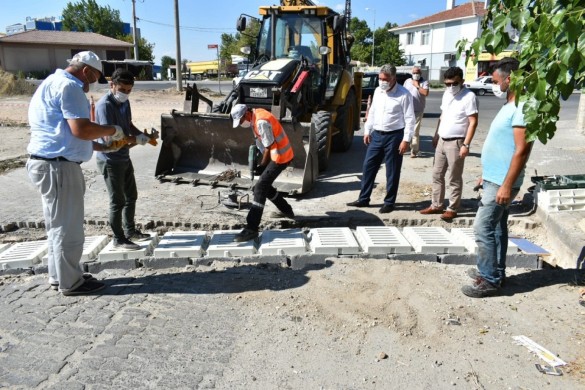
[{"x": 62, "y": 187}]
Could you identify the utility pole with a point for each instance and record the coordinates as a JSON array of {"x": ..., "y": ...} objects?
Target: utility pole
[
  {"x": 134, "y": 32},
  {"x": 178, "y": 43}
]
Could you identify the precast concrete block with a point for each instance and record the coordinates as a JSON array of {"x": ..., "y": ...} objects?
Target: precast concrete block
[
  {"x": 95, "y": 267},
  {"x": 222, "y": 244},
  {"x": 414, "y": 257},
  {"x": 161, "y": 262},
  {"x": 181, "y": 244},
  {"x": 458, "y": 258},
  {"x": 382, "y": 240}
]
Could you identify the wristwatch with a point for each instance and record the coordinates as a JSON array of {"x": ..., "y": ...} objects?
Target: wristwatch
[{"x": 466, "y": 145}]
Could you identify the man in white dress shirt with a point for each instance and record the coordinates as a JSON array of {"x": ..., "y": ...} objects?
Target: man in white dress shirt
[{"x": 388, "y": 131}]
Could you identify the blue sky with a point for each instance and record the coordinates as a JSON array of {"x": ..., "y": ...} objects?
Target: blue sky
[{"x": 203, "y": 21}]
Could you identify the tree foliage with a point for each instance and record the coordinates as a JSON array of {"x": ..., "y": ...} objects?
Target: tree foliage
[
  {"x": 551, "y": 51},
  {"x": 87, "y": 15},
  {"x": 165, "y": 61},
  {"x": 387, "y": 47},
  {"x": 145, "y": 48},
  {"x": 232, "y": 43}
]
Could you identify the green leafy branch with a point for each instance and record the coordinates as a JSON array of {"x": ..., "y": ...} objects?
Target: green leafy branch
[{"x": 550, "y": 48}]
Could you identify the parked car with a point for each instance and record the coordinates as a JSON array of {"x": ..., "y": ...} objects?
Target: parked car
[
  {"x": 239, "y": 77},
  {"x": 370, "y": 82},
  {"x": 480, "y": 85}
]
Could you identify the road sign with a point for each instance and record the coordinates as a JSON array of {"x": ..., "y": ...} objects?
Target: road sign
[{"x": 212, "y": 46}]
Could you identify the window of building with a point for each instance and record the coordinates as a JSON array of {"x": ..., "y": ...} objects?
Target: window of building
[
  {"x": 425, "y": 37},
  {"x": 410, "y": 38}
]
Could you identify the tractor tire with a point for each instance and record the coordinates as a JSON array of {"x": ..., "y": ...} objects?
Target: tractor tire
[
  {"x": 322, "y": 122},
  {"x": 345, "y": 121}
]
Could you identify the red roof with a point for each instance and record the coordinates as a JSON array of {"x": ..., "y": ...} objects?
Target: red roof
[
  {"x": 63, "y": 38},
  {"x": 457, "y": 12}
]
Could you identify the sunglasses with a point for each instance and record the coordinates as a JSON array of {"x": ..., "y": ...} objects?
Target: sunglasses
[{"x": 451, "y": 84}]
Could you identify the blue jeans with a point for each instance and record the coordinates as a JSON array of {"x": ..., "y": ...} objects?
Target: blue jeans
[
  {"x": 491, "y": 234},
  {"x": 383, "y": 147}
]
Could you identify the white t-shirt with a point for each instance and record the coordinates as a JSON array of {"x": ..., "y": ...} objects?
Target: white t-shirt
[{"x": 455, "y": 112}]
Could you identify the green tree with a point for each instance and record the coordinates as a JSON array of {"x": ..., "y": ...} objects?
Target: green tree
[
  {"x": 231, "y": 44},
  {"x": 387, "y": 47},
  {"x": 87, "y": 15},
  {"x": 387, "y": 50},
  {"x": 145, "y": 48},
  {"x": 551, "y": 51},
  {"x": 165, "y": 62},
  {"x": 360, "y": 50}
]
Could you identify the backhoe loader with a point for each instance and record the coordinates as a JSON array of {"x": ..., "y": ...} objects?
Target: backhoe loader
[{"x": 300, "y": 73}]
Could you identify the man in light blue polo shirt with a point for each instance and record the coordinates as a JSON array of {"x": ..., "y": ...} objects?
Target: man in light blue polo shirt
[
  {"x": 61, "y": 139},
  {"x": 503, "y": 159}
]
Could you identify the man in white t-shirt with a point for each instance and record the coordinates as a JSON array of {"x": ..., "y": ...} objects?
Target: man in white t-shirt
[
  {"x": 419, "y": 89},
  {"x": 452, "y": 140}
]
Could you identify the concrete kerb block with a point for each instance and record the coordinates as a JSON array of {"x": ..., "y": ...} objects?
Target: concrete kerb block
[
  {"x": 458, "y": 258},
  {"x": 17, "y": 271},
  {"x": 164, "y": 262},
  {"x": 41, "y": 269},
  {"x": 414, "y": 257},
  {"x": 264, "y": 259},
  {"x": 299, "y": 262},
  {"x": 522, "y": 260},
  {"x": 95, "y": 267}
]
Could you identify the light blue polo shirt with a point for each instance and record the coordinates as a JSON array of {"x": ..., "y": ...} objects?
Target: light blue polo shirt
[
  {"x": 58, "y": 98},
  {"x": 499, "y": 145}
]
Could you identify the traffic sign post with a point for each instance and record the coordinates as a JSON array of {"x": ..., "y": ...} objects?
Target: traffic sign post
[{"x": 216, "y": 47}]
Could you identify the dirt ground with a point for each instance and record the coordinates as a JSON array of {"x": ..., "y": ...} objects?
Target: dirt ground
[{"x": 407, "y": 316}]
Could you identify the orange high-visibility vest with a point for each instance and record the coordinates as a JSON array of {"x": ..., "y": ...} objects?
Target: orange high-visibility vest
[{"x": 280, "y": 151}]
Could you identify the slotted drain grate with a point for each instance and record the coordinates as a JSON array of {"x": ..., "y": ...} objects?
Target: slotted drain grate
[
  {"x": 382, "y": 240},
  {"x": 222, "y": 245},
  {"x": 333, "y": 241},
  {"x": 181, "y": 244},
  {"x": 432, "y": 240},
  {"x": 283, "y": 242}
]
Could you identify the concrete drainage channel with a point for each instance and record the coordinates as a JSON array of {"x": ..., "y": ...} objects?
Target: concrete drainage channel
[{"x": 292, "y": 247}]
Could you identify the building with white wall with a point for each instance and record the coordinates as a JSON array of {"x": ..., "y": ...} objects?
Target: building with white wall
[{"x": 432, "y": 41}]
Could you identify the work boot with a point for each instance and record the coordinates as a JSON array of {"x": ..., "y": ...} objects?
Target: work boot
[
  {"x": 246, "y": 235},
  {"x": 125, "y": 244},
  {"x": 480, "y": 288},
  {"x": 473, "y": 273},
  {"x": 137, "y": 235},
  {"x": 359, "y": 203},
  {"x": 280, "y": 215}
]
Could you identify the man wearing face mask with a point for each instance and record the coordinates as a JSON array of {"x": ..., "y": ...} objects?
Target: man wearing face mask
[
  {"x": 419, "y": 89},
  {"x": 277, "y": 154},
  {"x": 452, "y": 140},
  {"x": 387, "y": 134},
  {"x": 61, "y": 139},
  {"x": 116, "y": 167},
  {"x": 503, "y": 159}
]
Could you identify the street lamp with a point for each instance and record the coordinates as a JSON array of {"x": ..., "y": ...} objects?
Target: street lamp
[{"x": 373, "y": 33}]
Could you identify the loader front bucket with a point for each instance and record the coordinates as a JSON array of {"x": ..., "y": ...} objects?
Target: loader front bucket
[{"x": 203, "y": 148}]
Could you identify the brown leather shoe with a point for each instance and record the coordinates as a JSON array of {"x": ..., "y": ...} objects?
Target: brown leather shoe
[
  {"x": 448, "y": 215},
  {"x": 431, "y": 210}
]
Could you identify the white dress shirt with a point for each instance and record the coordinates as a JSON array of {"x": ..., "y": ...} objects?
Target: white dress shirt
[{"x": 390, "y": 111}]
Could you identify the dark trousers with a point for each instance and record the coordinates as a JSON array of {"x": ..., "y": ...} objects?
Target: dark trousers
[
  {"x": 121, "y": 184},
  {"x": 264, "y": 190},
  {"x": 383, "y": 147}
]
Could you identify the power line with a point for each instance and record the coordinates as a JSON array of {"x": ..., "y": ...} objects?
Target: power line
[{"x": 199, "y": 29}]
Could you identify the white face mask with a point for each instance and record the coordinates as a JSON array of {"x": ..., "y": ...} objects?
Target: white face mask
[
  {"x": 121, "y": 97},
  {"x": 91, "y": 87},
  {"x": 416, "y": 77},
  {"x": 245, "y": 124},
  {"x": 498, "y": 91},
  {"x": 384, "y": 85},
  {"x": 454, "y": 89}
]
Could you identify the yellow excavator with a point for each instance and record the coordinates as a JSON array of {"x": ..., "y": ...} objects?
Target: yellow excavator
[{"x": 300, "y": 72}]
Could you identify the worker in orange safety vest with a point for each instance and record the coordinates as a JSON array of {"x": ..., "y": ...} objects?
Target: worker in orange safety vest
[{"x": 277, "y": 153}]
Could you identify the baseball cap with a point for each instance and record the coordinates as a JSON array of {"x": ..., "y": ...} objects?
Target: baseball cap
[
  {"x": 89, "y": 58},
  {"x": 238, "y": 111}
]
